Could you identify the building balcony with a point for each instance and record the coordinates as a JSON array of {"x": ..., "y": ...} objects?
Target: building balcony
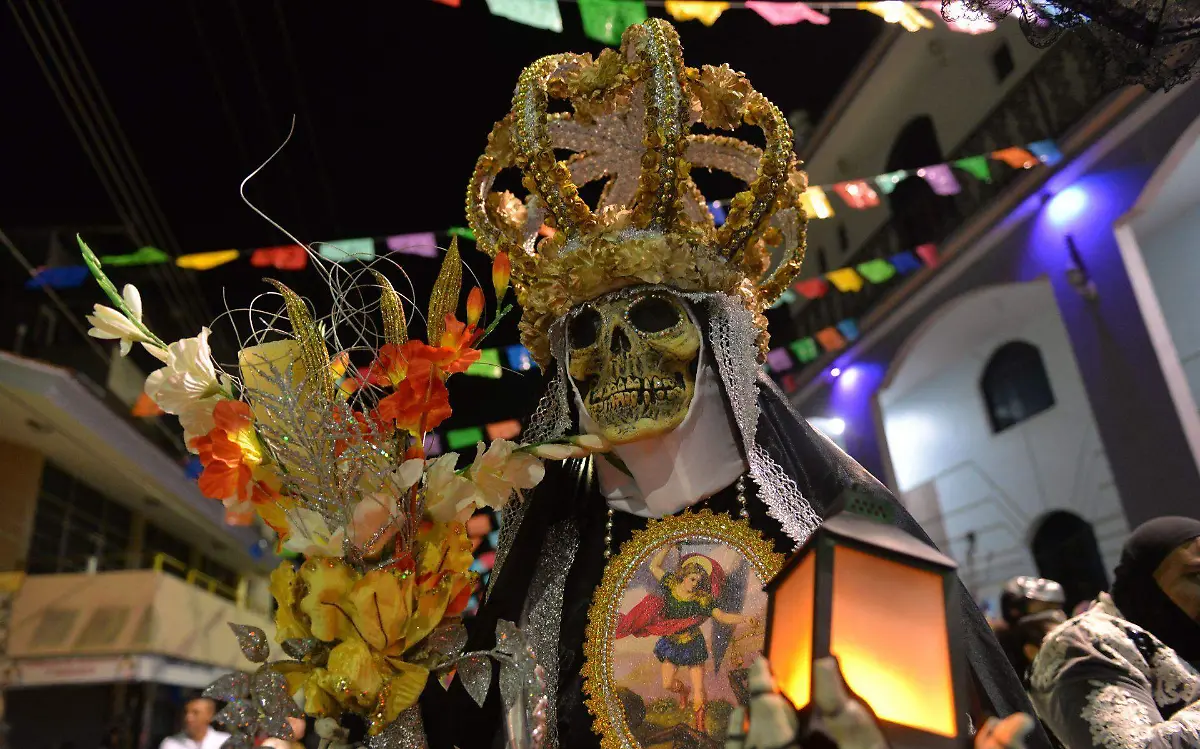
[
  {"x": 126, "y": 626},
  {"x": 1052, "y": 101}
]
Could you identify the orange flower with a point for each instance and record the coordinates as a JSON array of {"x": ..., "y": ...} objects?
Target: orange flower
[
  {"x": 420, "y": 401},
  {"x": 229, "y": 453},
  {"x": 455, "y": 354},
  {"x": 474, "y": 307},
  {"x": 501, "y": 272}
]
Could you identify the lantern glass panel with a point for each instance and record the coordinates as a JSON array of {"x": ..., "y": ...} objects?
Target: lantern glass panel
[
  {"x": 791, "y": 647},
  {"x": 888, "y": 630}
]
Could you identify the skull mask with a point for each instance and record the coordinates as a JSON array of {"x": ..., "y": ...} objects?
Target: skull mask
[{"x": 633, "y": 359}]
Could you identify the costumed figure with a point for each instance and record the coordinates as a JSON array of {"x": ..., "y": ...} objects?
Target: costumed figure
[{"x": 648, "y": 318}]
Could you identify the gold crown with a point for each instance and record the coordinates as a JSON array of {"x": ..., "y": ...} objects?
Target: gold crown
[{"x": 630, "y": 124}]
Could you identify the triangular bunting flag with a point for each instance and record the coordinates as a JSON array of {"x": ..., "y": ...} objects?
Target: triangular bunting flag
[
  {"x": 460, "y": 438},
  {"x": 504, "y": 430},
  {"x": 812, "y": 288},
  {"x": 830, "y": 339},
  {"x": 805, "y": 350},
  {"x": 781, "y": 14},
  {"x": 487, "y": 365},
  {"x": 876, "y": 271},
  {"x": 349, "y": 250},
  {"x": 815, "y": 203},
  {"x": 284, "y": 257},
  {"x": 848, "y": 329},
  {"x": 1046, "y": 151},
  {"x": 857, "y": 194},
  {"x": 606, "y": 20},
  {"x": 145, "y": 407},
  {"x": 940, "y": 178},
  {"x": 705, "y": 11},
  {"x": 61, "y": 277},
  {"x": 206, "y": 260},
  {"x": 928, "y": 254},
  {"x": 541, "y": 14},
  {"x": 845, "y": 279},
  {"x": 144, "y": 256},
  {"x": 1016, "y": 157},
  {"x": 905, "y": 262},
  {"x": 778, "y": 360},
  {"x": 423, "y": 244},
  {"x": 887, "y": 182},
  {"x": 977, "y": 167}
]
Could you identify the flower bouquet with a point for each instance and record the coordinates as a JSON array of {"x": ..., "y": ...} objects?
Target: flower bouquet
[{"x": 332, "y": 458}]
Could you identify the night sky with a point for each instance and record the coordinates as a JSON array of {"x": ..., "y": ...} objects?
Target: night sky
[{"x": 393, "y": 103}]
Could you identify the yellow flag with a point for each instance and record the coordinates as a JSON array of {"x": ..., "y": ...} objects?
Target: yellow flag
[
  {"x": 706, "y": 12},
  {"x": 815, "y": 203},
  {"x": 896, "y": 11},
  {"x": 845, "y": 279},
  {"x": 206, "y": 260}
]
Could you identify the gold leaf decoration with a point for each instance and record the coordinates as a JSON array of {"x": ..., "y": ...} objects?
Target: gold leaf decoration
[
  {"x": 313, "y": 353},
  {"x": 395, "y": 327},
  {"x": 444, "y": 298}
]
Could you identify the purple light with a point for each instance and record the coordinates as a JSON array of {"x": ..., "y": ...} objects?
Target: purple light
[
  {"x": 1067, "y": 205},
  {"x": 835, "y": 372}
]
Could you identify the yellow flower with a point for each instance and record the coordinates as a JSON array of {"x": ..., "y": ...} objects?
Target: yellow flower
[
  {"x": 304, "y": 682},
  {"x": 283, "y": 590},
  {"x": 402, "y": 692},
  {"x": 380, "y": 604},
  {"x": 353, "y": 674},
  {"x": 444, "y": 547},
  {"x": 328, "y": 582}
]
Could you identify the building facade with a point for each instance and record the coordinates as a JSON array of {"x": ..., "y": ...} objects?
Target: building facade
[{"x": 1030, "y": 398}]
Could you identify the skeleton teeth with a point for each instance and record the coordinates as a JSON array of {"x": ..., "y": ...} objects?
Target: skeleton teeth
[{"x": 659, "y": 394}]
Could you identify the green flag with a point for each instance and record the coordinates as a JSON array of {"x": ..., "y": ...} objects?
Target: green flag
[
  {"x": 606, "y": 20},
  {"x": 460, "y": 438},
  {"x": 805, "y": 350},
  {"x": 144, "y": 256},
  {"x": 876, "y": 271},
  {"x": 542, "y": 14},
  {"x": 488, "y": 364},
  {"x": 461, "y": 232},
  {"x": 977, "y": 167}
]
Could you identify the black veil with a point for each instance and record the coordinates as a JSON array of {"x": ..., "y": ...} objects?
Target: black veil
[{"x": 827, "y": 478}]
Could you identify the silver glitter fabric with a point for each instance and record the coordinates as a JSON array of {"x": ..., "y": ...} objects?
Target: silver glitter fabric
[
  {"x": 522, "y": 686},
  {"x": 405, "y": 732},
  {"x": 257, "y": 704},
  {"x": 542, "y": 618},
  {"x": 252, "y": 641}
]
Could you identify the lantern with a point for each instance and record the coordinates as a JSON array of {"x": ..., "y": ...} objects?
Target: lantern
[{"x": 879, "y": 600}]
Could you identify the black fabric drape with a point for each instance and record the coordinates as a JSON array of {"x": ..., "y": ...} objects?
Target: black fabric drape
[{"x": 825, "y": 475}]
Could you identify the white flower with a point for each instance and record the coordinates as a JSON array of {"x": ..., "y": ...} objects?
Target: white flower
[
  {"x": 310, "y": 535},
  {"x": 555, "y": 451},
  {"x": 446, "y": 493},
  {"x": 189, "y": 386},
  {"x": 377, "y": 516},
  {"x": 499, "y": 470},
  {"x": 113, "y": 325}
]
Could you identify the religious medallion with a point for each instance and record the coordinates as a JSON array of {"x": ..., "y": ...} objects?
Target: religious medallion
[{"x": 678, "y": 618}]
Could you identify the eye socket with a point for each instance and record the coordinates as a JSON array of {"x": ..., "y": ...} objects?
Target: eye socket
[
  {"x": 653, "y": 314},
  {"x": 584, "y": 328}
]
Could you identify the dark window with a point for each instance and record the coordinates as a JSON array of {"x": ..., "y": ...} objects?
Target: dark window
[
  {"x": 843, "y": 238},
  {"x": 1065, "y": 550},
  {"x": 1015, "y": 385},
  {"x": 919, "y": 215},
  {"x": 822, "y": 263},
  {"x": 74, "y": 524},
  {"x": 1002, "y": 62}
]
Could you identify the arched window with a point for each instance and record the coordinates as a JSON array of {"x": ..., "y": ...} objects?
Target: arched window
[
  {"x": 918, "y": 214},
  {"x": 1015, "y": 385},
  {"x": 1065, "y": 550}
]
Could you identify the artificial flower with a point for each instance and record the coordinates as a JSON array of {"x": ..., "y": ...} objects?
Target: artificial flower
[
  {"x": 284, "y": 584},
  {"x": 328, "y": 581},
  {"x": 377, "y": 516},
  {"x": 593, "y": 442},
  {"x": 498, "y": 471},
  {"x": 455, "y": 353},
  {"x": 230, "y": 453},
  {"x": 310, "y": 535},
  {"x": 352, "y": 669},
  {"x": 420, "y": 402},
  {"x": 113, "y": 325},
  {"x": 501, "y": 272},
  {"x": 474, "y": 307},
  {"x": 403, "y": 690},
  {"x": 446, "y": 493},
  {"x": 380, "y": 604},
  {"x": 189, "y": 386}
]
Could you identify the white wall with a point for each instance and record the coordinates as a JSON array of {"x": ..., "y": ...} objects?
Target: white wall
[
  {"x": 957, "y": 476},
  {"x": 1167, "y": 229},
  {"x": 945, "y": 74}
]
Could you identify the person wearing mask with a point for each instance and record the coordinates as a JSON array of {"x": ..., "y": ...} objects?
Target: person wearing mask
[
  {"x": 1122, "y": 675},
  {"x": 198, "y": 713},
  {"x": 1031, "y": 607}
]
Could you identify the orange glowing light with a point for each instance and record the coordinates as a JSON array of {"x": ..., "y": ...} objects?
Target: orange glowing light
[
  {"x": 791, "y": 648},
  {"x": 878, "y": 604}
]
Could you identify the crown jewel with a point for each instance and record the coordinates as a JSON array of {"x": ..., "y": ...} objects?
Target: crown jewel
[{"x": 630, "y": 125}]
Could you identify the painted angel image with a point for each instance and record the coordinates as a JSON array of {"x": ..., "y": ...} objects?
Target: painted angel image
[{"x": 678, "y": 602}]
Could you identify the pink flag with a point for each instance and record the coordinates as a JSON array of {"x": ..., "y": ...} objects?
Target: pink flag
[
  {"x": 779, "y": 14},
  {"x": 423, "y": 244},
  {"x": 940, "y": 178}
]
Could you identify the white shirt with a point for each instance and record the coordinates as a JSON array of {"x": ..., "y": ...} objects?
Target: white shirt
[{"x": 213, "y": 739}]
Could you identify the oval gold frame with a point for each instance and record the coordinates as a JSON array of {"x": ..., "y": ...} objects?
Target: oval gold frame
[{"x": 598, "y": 686}]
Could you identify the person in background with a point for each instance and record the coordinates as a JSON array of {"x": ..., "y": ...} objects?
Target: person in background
[
  {"x": 1122, "y": 675},
  {"x": 197, "y": 733},
  {"x": 1031, "y": 607}
]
